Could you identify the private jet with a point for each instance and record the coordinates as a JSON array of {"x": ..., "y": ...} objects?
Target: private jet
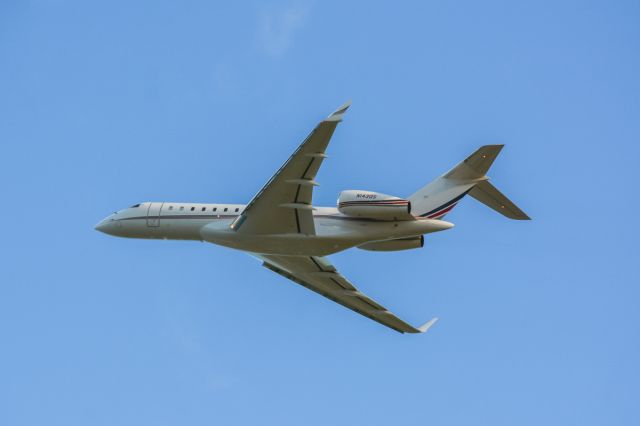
[{"x": 292, "y": 237}]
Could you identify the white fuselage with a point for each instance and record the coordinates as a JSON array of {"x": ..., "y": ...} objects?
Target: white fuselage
[{"x": 211, "y": 222}]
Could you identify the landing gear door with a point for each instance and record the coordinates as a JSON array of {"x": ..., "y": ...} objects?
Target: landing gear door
[{"x": 153, "y": 214}]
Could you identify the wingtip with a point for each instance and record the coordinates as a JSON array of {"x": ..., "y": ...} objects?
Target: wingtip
[
  {"x": 427, "y": 325},
  {"x": 338, "y": 113}
]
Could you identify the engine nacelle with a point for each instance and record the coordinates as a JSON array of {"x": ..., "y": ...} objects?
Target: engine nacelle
[
  {"x": 394, "y": 245},
  {"x": 373, "y": 205}
]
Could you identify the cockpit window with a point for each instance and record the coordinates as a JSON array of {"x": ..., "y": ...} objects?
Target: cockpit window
[{"x": 134, "y": 206}]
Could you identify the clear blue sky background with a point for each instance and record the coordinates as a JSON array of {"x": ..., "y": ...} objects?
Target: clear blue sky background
[{"x": 106, "y": 104}]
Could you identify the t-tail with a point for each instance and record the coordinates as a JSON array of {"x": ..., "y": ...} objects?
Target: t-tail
[{"x": 439, "y": 197}]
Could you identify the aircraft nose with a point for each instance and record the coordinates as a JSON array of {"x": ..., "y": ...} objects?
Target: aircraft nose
[
  {"x": 100, "y": 226},
  {"x": 106, "y": 226}
]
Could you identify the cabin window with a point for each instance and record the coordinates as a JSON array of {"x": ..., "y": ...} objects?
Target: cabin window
[
  {"x": 204, "y": 208},
  {"x": 237, "y": 209},
  {"x": 193, "y": 208},
  {"x": 215, "y": 208},
  {"x": 181, "y": 208},
  {"x": 170, "y": 207},
  {"x": 225, "y": 209}
]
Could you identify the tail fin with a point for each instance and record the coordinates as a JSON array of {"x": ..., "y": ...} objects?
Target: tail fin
[{"x": 439, "y": 197}]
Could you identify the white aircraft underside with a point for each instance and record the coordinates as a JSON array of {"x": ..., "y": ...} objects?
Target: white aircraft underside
[{"x": 282, "y": 228}]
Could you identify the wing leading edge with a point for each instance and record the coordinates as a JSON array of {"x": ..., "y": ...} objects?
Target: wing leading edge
[
  {"x": 319, "y": 275},
  {"x": 284, "y": 204}
]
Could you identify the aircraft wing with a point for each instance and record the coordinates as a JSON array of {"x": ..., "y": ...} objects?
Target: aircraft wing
[
  {"x": 319, "y": 275},
  {"x": 283, "y": 205}
]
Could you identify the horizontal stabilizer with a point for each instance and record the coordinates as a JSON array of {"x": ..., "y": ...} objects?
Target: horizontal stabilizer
[{"x": 489, "y": 195}]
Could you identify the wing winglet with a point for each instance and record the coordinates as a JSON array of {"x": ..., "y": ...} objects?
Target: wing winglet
[
  {"x": 337, "y": 114},
  {"x": 427, "y": 325}
]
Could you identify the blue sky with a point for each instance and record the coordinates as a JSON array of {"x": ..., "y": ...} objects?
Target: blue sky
[{"x": 106, "y": 104}]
